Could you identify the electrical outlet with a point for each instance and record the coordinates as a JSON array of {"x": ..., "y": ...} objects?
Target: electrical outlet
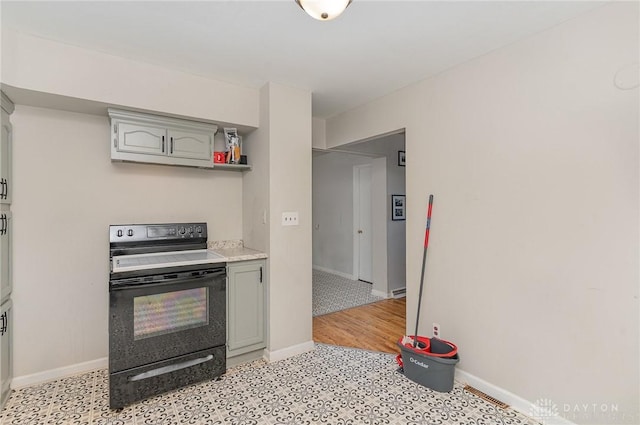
[
  {"x": 290, "y": 218},
  {"x": 437, "y": 332}
]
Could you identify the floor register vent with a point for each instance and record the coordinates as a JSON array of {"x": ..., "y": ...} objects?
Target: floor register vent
[
  {"x": 399, "y": 293},
  {"x": 486, "y": 397}
]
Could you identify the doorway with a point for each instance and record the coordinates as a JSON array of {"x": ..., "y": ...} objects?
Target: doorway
[{"x": 354, "y": 236}]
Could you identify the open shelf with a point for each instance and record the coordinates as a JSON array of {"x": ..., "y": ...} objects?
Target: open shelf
[{"x": 232, "y": 167}]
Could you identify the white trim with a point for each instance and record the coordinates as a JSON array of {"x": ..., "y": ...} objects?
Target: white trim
[
  {"x": 61, "y": 372},
  {"x": 356, "y": 222},
  {"x": 285, "y": 353},
  {"x": 337, "y": 273},
  {"x": 399, "y": 292},
  {"x": 514, "y": 401},
  {"x": 381, "y": 294}
]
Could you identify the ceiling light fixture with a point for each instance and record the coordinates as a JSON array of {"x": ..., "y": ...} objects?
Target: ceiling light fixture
[{"x": 324, "y": 10}]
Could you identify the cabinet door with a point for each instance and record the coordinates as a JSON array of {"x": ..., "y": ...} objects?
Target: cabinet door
[
  {"x": 245, "y": 308},
  {"x": 6, "y": 355},
  {"x": 137, "y": 138},
  {"x": 190, "y": 144},
  {"x": 5, "y": 254},
  {"x": 5, "y": 159}
]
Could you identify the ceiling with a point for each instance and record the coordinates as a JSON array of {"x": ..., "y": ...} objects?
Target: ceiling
[{"x": 374, "y": 48}]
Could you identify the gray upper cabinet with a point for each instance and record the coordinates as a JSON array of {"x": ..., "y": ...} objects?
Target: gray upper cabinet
[
  {"x": 138, "y": 138},
  {"x": 154, "y": 139},
  {"x": 191, "y": 144},
  {"x": 5, "y": 151}
]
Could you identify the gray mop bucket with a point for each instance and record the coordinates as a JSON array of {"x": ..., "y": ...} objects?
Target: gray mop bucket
[{"x": 433, "y": 368}]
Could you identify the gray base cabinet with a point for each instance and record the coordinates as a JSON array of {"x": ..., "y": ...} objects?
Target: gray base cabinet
[
  {"x": 6, "y": 360},
  {"x": 246, "y": 307}
]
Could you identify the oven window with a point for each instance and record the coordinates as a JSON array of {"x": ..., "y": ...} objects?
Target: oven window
[{"x": 169, "y": 312}]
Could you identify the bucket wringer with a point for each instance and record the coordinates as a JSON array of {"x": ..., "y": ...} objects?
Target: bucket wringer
[{"x": 427, "y": 361}]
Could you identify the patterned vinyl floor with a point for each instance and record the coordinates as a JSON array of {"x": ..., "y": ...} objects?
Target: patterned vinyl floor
[
  {"x": 330, "y": 385},
  {"x": 333, "y": 293}
]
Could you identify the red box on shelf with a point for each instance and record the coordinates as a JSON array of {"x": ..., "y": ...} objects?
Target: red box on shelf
[{"x": 218, "y": 158}]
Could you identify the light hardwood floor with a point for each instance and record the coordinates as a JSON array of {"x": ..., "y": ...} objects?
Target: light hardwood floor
[{"x": 376, "y": 326}]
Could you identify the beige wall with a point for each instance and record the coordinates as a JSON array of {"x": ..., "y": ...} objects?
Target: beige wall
[
  {"x": 532, "y": 155},
  {"x": 289, "y": 190},
  {"x": 281, "y": 182},
  {"x": 66, "y": 194},
  {"x": 47, "y": 69}
]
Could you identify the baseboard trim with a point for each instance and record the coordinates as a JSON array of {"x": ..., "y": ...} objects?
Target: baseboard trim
[
  {"x": 399, "y": 292},
  {"x": 285, "y": 353},
  {"x": 381, "y": 294},
  {"x": 514, "y": 401},
  {"x": 61, "y": 372},
  {"x": 337, "y": 273}
]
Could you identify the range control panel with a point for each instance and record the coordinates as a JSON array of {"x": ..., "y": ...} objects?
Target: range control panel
[{"x": 151, "y": 232}]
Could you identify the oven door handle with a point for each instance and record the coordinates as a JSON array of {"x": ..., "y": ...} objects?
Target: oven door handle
[
  {"x": 170, "y": 279},
  {"x": 168, "y": 369}
]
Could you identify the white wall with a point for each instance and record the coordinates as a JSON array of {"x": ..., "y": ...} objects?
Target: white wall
[
  {"x": 532, "y": 155},
  {"x": 333, "y": 210},
  {"x": 46, "y": 69},
  {"x": 318, "y": 133},
  {"x": 66, "y": 194}
]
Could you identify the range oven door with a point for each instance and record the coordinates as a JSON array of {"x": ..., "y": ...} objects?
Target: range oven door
[{"x": 165, "y": 331}]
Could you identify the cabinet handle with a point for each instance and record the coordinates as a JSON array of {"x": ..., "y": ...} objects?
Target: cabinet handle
[
  {"x": 171, "y": 148},
  {"x": 3, "y": 229},
  {"x": 170, "y": 368},
  {"x": 162, "y": 144},
  {"x": 5, "y": 323},
  {"x": 5, "y": 189},
  {"x": 260, "y": 274}
]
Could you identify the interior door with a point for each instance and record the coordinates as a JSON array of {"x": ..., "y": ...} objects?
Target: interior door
[{"x": 363, "y": 228}]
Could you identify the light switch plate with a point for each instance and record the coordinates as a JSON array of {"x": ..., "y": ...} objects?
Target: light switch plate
[{"x": 290, "y": 218}]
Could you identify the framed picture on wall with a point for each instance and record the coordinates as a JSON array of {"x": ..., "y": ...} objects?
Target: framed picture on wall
[
  {"x": 398, "y": 207},
  {"x": 401, "y": 158}
]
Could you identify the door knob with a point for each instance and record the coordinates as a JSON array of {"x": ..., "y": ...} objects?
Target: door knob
[{"x": 359, "y": 231}]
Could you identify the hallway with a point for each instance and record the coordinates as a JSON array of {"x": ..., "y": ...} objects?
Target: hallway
[{"x": 376, "y": 326}]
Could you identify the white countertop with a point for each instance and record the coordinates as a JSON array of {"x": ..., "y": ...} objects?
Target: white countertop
[
  {"x": 239, "y": 254},
  {"x": 125, "y": 263}
]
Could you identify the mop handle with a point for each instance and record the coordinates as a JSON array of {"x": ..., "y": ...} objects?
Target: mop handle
[
  {"x": 424, "y": 260},
  {"x": 426, "y": 233}
]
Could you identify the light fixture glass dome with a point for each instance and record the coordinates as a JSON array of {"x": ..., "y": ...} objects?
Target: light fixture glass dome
[{"x": 324, "y": 10}]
